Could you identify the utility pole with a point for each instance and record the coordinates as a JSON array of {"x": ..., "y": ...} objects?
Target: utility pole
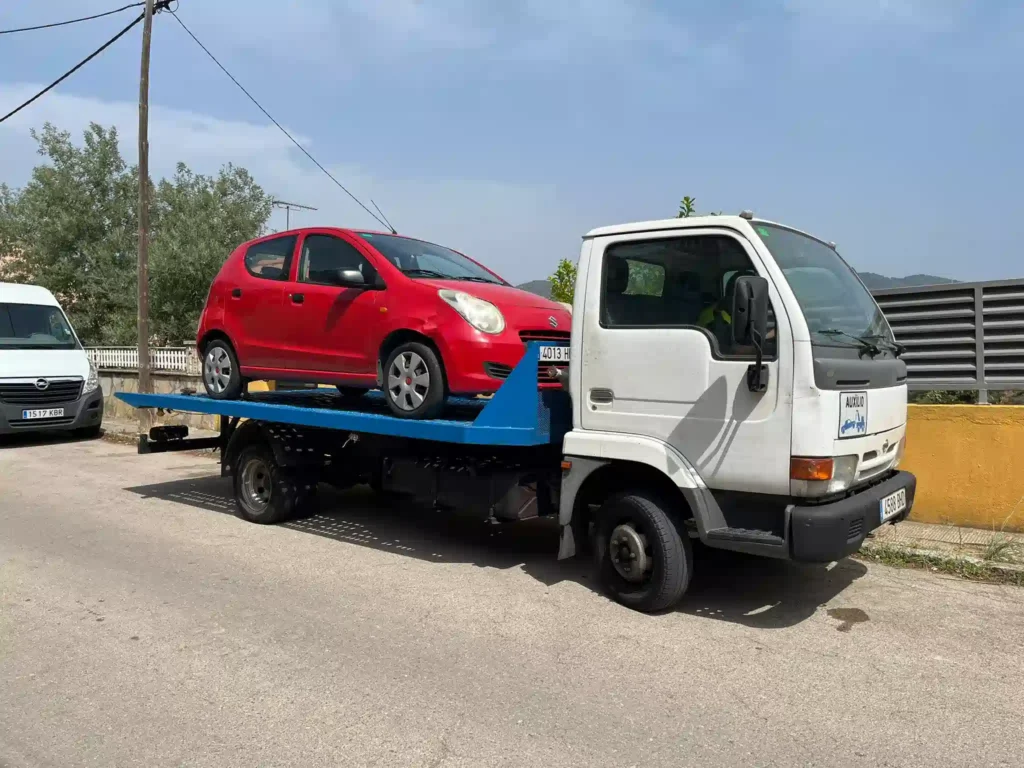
[
  {"x": 288, "y": 210},
  {"x": 145, "y": 385}
]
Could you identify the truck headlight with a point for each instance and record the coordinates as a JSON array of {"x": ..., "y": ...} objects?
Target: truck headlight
[
  {"x": 481, "y": 314},
  {"x": 93, "y": 382},
  {"x": 811, "y": 476}
]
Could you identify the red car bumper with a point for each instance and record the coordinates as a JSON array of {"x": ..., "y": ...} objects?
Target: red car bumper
[{"x": 478, "y": 363}]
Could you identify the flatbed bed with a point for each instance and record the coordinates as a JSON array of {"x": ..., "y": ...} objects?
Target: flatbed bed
[{"x": 519, "y": 414}]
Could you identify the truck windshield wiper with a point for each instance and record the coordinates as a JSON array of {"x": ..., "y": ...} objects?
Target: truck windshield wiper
[
  {"x": 894, "y": 346},
  {"x": 866, "y": 344}
]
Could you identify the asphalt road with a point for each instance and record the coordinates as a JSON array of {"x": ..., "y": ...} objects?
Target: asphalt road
[{"x": 142, "y": 624}]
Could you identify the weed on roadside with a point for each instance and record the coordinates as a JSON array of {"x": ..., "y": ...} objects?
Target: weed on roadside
[{"x": 900, "y": 557}]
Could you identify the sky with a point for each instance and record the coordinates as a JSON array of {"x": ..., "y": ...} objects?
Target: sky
[{"x": 509, "y": 128}]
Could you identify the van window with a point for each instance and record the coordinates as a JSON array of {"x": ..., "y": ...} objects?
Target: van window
[
  {"x": 34, "y": 326},
  {"x": 271, "y": 259}
]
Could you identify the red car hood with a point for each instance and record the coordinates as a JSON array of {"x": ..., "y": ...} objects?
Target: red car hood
[{"x": 499, "y": 295}]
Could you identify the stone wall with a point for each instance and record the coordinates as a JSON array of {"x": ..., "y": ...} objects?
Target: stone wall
[{"x": 164, "y": 384}]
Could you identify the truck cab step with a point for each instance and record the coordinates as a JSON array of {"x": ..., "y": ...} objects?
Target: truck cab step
[{"x": 746, "y": 535}]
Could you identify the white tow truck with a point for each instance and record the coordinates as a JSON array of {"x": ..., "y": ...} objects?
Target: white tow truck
[{"x": 728, "y": 379}]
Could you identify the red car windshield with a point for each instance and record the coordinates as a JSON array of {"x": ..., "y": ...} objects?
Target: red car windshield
[{"x": 417, "y": 258}]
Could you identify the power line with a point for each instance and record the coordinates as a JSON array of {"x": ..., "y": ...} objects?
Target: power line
[
  {"x": 71, "y": 21},
  {"x": 279, "y": 126},
  {"x": 75, "y": 68}
]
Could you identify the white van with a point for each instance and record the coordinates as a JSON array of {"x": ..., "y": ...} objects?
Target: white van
[{"x": 46, "y": 380}]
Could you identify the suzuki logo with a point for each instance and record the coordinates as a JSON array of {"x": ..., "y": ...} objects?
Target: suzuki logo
[
  {"x": 552, "y": 322},
  {"x": 42, "y": 384}
]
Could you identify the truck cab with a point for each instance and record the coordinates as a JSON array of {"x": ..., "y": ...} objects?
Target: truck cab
[{"x": 736, "y": 374}]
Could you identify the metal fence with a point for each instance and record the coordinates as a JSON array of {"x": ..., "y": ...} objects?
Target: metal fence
[
  {"x": 163, "y": 359},
  {"x": 967, "y": 336}
]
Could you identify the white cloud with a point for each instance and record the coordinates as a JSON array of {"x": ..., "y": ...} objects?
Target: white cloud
[{"x": 520, "y": 230}]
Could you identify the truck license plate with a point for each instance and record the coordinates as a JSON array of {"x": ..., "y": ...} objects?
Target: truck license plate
[
  {"x": 43, "y": 413},
  {"x": 554, "y": 354},
  {"x": 893, "y": 504}
]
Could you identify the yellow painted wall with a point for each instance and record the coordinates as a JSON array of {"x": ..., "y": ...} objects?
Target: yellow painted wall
[{"x": 969, "y": 463}]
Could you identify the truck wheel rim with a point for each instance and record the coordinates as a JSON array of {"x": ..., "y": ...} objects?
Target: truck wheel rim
[
  {"x": 217, "y": 369},
  {"x": 628, "y": 552},
  {"x": 408, "y": 381},
  {"x": 256, "y": 486}
]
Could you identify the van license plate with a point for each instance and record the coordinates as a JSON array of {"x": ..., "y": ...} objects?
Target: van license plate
[
  {"x": 43, "y": 413},
  {"x": 893, "y": 504},
  {"x": 554, "y": 354}
]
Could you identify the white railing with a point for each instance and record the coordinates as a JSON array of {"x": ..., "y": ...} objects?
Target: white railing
[{"x": 168, "y": 359}]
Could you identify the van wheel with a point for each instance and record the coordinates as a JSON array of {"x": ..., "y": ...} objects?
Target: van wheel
[
  {"x": 642, "y": 559},
  {"x": 414, "y": 381},
  {"x": 221, "y": 376},
  {"x": 266, "y": 493}
]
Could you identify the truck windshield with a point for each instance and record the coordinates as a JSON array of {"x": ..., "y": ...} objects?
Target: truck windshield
[
  {"x": 34, "y": 326},
  {"x": 417, "y": 258},
  {"x": 835, "y": 303}
]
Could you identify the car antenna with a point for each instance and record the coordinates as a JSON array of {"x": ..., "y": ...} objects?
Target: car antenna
[{"x": 393, "y": 230}]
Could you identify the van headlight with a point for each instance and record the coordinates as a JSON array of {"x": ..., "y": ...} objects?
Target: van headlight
[
  {"x": 812, "y": 476},
  {"x": 93, "y": 382},
  {"x": 481, "y": 314}
]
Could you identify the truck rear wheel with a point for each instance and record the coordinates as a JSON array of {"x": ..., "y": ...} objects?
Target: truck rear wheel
[
  {"x": 643, "y": 560},
  {"x": 266, "y": 493}
]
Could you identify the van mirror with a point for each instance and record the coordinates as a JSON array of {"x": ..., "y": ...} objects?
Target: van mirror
[
  {"x": 750, "y": 311},
  {"x": 350, "y": 278}
]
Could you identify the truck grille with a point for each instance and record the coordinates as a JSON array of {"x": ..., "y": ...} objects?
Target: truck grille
[{"x": 29, "y": 394}]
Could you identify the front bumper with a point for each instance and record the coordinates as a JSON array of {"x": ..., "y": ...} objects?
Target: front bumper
[
  {"x": 827, "y": 532},
  {"x": 83, "y": 413}
]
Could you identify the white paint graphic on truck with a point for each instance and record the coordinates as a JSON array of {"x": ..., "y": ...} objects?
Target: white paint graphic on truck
[{"x": 853, "y": 414}]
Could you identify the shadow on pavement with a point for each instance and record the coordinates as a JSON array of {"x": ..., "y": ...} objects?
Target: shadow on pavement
[
  {"x": 746, "y": 590},
  {"x": 31, "y": 439}
]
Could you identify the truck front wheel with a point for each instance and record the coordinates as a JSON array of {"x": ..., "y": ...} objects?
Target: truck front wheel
[
  {"x": 643, "y": 560},
  {"x": 266, "y": 493}
]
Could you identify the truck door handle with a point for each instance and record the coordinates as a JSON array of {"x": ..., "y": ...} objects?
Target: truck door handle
[
  {"x": 601, "y": 396},
  {"x": 236, "y": 293},
  {"x": 298, "y": 298}
]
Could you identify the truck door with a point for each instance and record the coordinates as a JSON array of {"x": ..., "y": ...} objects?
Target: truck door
[{"x": 658, "y": 358}]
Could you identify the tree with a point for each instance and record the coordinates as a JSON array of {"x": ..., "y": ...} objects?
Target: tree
[
  {"x": 201, "y": 220},
  {"x": 73, "y": 229},
  {"x": 563, "y": 281},
  {"x": 687, "y": 207}
]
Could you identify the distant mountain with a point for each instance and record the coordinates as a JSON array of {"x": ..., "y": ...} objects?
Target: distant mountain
[
  {"x": 875, "y": 281},
  {"x": 872, "y": 280},
  {"x": 539, "y": 287}
]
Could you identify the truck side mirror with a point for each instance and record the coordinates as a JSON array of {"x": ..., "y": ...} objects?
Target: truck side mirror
[
  {"x": 750, "y": 325},
  {"x": 750, "y": 310}
]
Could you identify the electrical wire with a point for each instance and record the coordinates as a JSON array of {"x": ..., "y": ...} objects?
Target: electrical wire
[
  {"x": 279, "y": 126},
  {"x": 71, "y": 21},
  {"x": 75, "y": 68}
]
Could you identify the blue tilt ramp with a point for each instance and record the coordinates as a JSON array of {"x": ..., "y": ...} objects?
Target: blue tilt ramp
[{"x": 519, "y": 414}]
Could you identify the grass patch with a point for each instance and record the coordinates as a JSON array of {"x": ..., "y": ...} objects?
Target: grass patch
[{"x": 900, "y": 557}]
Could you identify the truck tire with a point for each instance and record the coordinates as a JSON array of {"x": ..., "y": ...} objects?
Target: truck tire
[
  {"x": 642, "y": 559},
  {"x": 266, "y": 493}
]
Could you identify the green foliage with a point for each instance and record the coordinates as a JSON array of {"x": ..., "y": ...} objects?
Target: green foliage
[
  {"x": 563, "y": 281},
  {"x": 73, "y": 228},
  {"x": 687, "y": 207},
  {"x": 944, "y": 397},
  {"x": 645, "y": 279}
]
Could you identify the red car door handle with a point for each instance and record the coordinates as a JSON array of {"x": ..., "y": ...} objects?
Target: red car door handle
[
  {"x": 298, "y": 298},
  {"x": 236, "y": 293}
]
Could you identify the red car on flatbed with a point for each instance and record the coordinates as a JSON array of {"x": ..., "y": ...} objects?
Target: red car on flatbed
[{"x": 365, "y": 310}]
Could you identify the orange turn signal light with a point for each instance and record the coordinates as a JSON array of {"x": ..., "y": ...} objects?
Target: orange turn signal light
[{"x": 810, "y": 469}]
